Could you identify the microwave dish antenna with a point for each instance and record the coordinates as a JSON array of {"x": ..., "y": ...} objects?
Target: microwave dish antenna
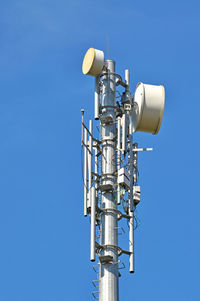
[
  {"x": 93, "y": 62},
  {"x": 147, "y": 114}
]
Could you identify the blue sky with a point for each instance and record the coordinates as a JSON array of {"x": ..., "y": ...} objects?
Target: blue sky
[{"x": 44, "y": 238}]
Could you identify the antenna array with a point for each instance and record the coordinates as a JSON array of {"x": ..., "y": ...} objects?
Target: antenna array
[{"x": 111, "y": 167}]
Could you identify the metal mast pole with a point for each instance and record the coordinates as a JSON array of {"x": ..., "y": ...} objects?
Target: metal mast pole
[
  {"x": 108, "y": 286},
  {"x": 114, "y": 182}
]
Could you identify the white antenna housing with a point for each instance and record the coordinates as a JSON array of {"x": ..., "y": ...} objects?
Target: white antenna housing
[
  {"x": 147, "y": 114},
  {"x": 93, "y": 62}
]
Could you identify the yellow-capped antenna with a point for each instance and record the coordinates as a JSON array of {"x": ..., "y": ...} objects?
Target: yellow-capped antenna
[{"x": 93, "y": 62}]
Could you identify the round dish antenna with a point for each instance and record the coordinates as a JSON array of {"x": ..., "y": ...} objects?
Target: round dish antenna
[
  {"x": 147, "y": 114},
  {"x": 93, "y": 62}
]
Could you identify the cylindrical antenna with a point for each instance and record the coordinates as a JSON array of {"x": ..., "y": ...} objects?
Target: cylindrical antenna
[
  {"x": 131, "y": 202},
  {"x": 118, "y": 155},
  {"x": 127, "y": 81},
  {"x": 96, "y": 98},
  {"x": 93, "y": 224},
  {"x": 85, "y": 172},
  {"x": 131, "y": 169},
  {"x": 135, "y": 169},
  {"x": 131, "y": 242},
  {"x": 96, "y": 166},
  {"x": 124, "y": 133},
  {"x": 82, "y": 111},
  {"x": 127, "y": 77},
  {"x": 90, "y": 162}
]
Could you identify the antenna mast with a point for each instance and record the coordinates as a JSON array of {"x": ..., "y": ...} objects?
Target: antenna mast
[{"x": 111, "y": 190}]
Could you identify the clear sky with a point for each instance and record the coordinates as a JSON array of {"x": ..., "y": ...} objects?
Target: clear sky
[{"x": 44, "y": 238}]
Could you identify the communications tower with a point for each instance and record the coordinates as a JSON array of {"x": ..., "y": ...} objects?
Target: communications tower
[{"x": 111, "y": 190}]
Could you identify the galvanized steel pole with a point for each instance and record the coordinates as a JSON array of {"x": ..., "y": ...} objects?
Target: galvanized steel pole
[{"x": 108, "y": 286}]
